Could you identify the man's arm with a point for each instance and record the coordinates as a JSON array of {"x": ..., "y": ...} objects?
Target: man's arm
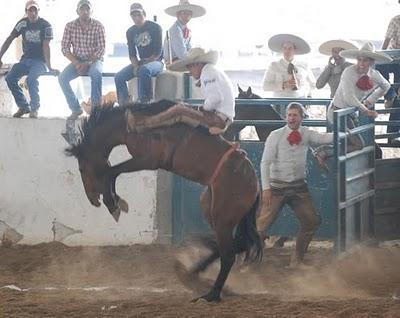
[
  {"x": 157, "y": 45},
  {"x": 385, "y": 43},
  {"x": 324, "y": 77},
  {"x": 6, "y": 45},
  {"x": 101, "y": 44}
]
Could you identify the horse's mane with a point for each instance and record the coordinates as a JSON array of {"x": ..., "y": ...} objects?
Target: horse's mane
[{"x": 99, "y": 115}]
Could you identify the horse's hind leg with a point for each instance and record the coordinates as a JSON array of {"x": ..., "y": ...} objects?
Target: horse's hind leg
[{"x": 227, "y": 256}]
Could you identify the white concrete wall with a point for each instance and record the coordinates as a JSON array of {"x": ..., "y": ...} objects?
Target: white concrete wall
[{"x": 38, "y": 184}]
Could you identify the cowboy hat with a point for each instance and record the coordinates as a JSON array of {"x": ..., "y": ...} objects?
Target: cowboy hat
[
  {"x": 367, "y": 50},
  {"x": 197, "y": 11},
  {"x": 300, "y": 46},
  {"x": 326, "y": 47},
  {"x": 195, "y": 55}
]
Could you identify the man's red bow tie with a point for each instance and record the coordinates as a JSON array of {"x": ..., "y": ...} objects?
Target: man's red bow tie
[
  {"x": 294, "y": 138},
  {"x": 365, "y": 83}
]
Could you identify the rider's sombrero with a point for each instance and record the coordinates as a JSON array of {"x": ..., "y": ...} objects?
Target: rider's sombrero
[
  {"x": 367, "y": 50},
  {"x": 326, "y": 47},
  {"x": 195, "y": 55},
  {"x": 300, "y": 46},
  {"x": 197, "y": 11}
]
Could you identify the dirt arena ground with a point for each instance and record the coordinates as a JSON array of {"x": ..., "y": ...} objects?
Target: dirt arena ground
[{"x": 54, "y": 280}]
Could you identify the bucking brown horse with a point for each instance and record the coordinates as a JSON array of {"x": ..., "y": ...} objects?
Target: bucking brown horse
[{"x": 229, "y": 201}]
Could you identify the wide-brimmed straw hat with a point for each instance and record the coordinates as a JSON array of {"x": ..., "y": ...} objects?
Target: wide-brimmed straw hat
[
  {"x": 195, "y": 55},
  {"x": 367, "y": 50},
  {"x": 197, "y": 11},
  {"x": 276, "y": 42},
  {"x": 326, "y": 47}
]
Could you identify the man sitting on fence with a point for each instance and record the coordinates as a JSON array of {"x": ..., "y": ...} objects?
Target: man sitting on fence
[
  {"x": 36, "y": 34},
  {"x": 218, "y": 110},
  {"x": 86, "y": 37},
  {"x": 145, "y": 53}
]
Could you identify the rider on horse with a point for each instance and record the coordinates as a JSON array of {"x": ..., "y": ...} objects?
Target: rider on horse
[{"x": 218, "y": 110}]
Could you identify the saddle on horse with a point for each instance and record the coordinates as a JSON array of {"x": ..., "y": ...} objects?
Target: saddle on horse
[{"x": 216, "y": 122}]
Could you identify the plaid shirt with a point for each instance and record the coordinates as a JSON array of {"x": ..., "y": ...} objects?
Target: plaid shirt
[
  {"x": 393, "y": 33},
  {"x": 86, "y": 44}
]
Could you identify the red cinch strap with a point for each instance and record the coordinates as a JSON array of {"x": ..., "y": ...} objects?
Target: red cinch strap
[{"x": 222, "y": 161}]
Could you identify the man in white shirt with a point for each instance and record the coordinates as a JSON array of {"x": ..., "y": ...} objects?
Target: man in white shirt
[
  {"x": 218, "y": 110},
  {"x": 178, "y": 42},
  {"x": 283, "y": 177},
  {"x": 360, "y": 86},
  {"x": 288, "y": 77}
]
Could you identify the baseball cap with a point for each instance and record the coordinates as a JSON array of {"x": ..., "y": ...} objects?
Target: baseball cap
[
  {"x": 31, "y": 3},
  {"x": 137, "y": 7},
  {"x": 83, "y": 3}
]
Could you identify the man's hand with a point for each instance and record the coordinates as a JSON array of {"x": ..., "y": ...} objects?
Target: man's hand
[
  {"x": 372, "y": 113},
  {"x": 267, "y": 197},
  {"x": 290, "y": 83},
  {"x": 331, "y": 61}
]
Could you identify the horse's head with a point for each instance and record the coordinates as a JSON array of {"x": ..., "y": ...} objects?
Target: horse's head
[
  {"x": 247, "y": 94},
  {"x": 91, "y": 167}
]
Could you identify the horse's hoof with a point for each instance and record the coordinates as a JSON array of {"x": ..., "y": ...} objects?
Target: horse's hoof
[
  {"x": 210, "y": 298},
  {"x": 123, "y": 205},
  {"x": 116, "y": 213}
]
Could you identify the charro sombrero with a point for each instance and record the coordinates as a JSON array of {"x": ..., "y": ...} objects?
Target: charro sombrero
[
  {"x": 300, "y": 46},
  {"x": 197, "y": 11},
  {"x": 326, "y": 47},
  {"x": 195, "y": 55},
  {"x": 367, "y": 50}
]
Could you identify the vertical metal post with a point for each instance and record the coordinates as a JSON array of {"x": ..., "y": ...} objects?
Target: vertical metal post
[{"x": 187, "y": 86}]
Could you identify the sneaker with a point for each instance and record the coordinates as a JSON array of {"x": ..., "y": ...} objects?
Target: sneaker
[
  {"x": 33, "y": 114},
  {"x": 75, "y": 114},
  {"x": 21, "y": 112}
]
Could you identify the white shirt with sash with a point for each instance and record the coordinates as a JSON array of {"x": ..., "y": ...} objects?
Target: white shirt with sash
[
  {"x": 284, "y": 162},
  {"x": 349, "y": 95}
]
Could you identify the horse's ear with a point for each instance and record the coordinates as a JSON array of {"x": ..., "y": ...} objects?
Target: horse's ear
[
  {"x": 240, "y": 89},
  {"x": 249, "y": 92}
]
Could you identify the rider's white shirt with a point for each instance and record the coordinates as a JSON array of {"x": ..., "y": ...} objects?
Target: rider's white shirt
[{"x": 217, "y": 91}]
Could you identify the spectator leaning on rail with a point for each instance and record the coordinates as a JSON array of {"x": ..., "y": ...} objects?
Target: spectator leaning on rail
[
  {"x": 145, "y": 52},
  {"x": 336, "y": 64},
  {"x": 86, "y": 37},
  {"x": 283, "y": 167},
  {"x": 179, "y": 39},
  {"x": 36, "y": 35},
  {"x": 360, "y": 86}
]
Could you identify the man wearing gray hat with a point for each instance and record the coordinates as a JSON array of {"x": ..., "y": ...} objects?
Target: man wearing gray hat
[
  {"x": 83, "y": 43},
  {"x": 145, "y": 52},
  {"x": 36, "y": 34}
]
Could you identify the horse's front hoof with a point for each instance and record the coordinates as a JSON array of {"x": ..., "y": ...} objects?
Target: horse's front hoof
[
  {"x": 211, "y": 297},
  {"x": 116, "y": 213},
  {"x": 123, "y": 205}
]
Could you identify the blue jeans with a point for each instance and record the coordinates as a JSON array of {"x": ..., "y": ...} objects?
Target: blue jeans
[
  {"x": 70, "y": 73},
  {"x": 144, "y": 74},
  {"x": 385, "y": 70},
  {"x": 33, "y": 68}
]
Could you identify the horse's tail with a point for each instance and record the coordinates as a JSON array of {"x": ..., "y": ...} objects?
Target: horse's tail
[{"x": 247, "y": 238}]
